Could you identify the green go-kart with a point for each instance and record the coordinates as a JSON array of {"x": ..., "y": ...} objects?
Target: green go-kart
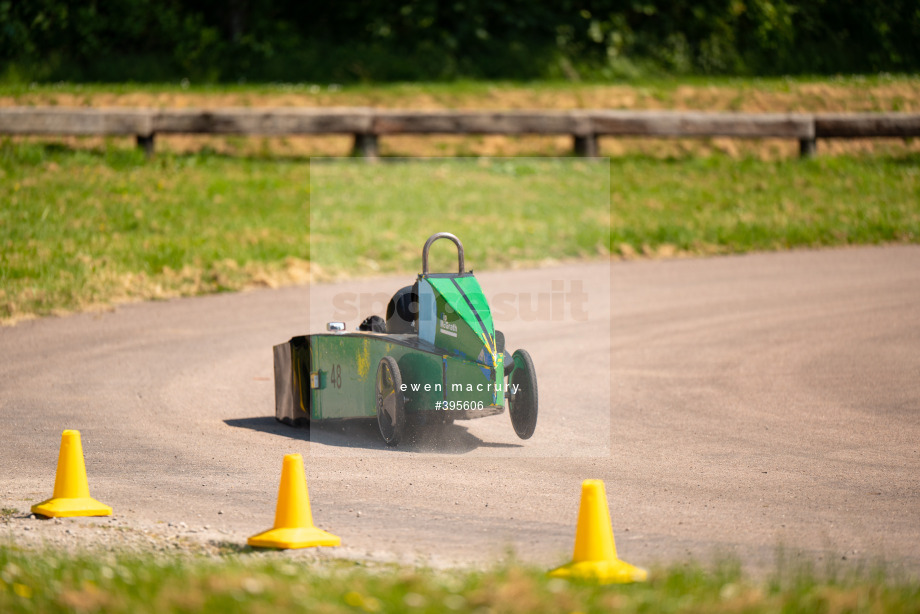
[{"x": 435, "y": 358}]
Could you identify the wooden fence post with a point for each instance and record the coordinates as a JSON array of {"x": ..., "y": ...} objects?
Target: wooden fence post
[
  {"x": 365, "y": 145},
  {"x": 808, "y": 147},
  {"x": 585, "y": 145},
  {"x": 146, "y": 142}
]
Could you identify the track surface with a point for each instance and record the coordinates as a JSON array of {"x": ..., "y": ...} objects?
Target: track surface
[{"x": 732, "y": 405}]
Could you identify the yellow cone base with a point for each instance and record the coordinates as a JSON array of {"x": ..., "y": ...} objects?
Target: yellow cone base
[
  {"x": 294, "y": 537},
  {"x": 605, "y": 572},
  {"x": 62, "y": 507}
]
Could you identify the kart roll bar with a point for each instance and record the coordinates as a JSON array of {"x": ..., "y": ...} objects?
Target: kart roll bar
[{"x": 435, "y": 237}]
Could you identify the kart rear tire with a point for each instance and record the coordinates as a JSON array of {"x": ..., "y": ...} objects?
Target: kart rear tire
[
  {"x": 390, "y": 403},
  {"x": 522, "y": 406}
]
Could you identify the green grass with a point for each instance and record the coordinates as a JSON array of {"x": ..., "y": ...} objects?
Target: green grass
[
  {"x": 460, "y": 86},
  {"x": 82, "y": 228},
  {"x": 720, "y": 205},
  {"x": 524, "y": 211},
  {"x": 375, "y": 218},
  {"x": 48, "y": 581}
]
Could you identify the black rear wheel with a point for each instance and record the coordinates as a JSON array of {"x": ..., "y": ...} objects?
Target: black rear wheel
[
  {"x": 522, "y": 395},
  {"x": 391, "y": 411}
]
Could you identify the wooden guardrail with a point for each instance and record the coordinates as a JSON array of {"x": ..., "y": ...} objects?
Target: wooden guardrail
[{"x": 368, "y": 125}]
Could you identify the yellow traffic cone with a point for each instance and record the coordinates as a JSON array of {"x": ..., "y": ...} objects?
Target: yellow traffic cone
[
  {"x": 595, "y": 556},
  {"x": 293, "y": 519},
  {"x": 71, "y": 489}
]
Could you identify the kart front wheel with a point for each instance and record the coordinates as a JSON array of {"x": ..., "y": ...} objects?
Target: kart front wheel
[
  {"x": 522, "y": 395},
  {"x": 391, "y": 411}
]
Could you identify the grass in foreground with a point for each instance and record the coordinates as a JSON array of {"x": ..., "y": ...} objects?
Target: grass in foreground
[
  {"x": 51, "y": 582},
  {"x": 83, "y": 228}
]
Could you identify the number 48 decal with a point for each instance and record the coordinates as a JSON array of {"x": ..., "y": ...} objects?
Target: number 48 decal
[{"x": 335, "y": 376}]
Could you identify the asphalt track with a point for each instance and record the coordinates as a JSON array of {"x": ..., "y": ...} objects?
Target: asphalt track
[{"x": 733, "y": 406}]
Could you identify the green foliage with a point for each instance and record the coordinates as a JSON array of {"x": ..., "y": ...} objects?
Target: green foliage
[{"x": 288, "y": 40}]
